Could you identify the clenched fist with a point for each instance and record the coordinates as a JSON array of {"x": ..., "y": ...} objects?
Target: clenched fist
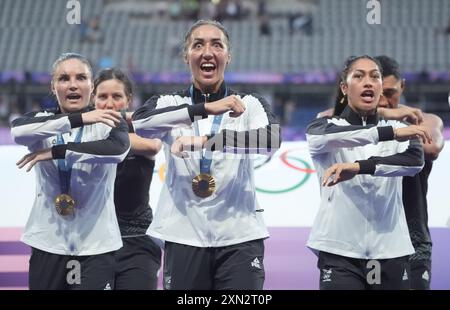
[{"x": 231, "y": 104}]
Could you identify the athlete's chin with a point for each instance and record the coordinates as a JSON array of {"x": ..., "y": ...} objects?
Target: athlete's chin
[
  {"x": 73, "y": 107},
  {"x": 209, "y": 85}
]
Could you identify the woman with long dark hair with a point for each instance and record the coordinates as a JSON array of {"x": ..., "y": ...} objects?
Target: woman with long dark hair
[{"x": 360, "y": 233}]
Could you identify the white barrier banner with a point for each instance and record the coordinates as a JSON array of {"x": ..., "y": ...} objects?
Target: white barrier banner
[{"x": 287, "y": 187}]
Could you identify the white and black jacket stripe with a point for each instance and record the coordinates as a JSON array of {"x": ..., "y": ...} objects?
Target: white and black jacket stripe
[
  {"x": 328, "y": 134},
  {"x": 93, "y": 229},
  {"x": 185, "y": 218},
  {"x": 36, "y": 126},
  {"x": 161, "y": 114},
  {"x": 362, "y": 217}
]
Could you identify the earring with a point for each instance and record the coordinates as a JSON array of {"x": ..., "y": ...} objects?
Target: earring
[{"x": 342, "y": 99}]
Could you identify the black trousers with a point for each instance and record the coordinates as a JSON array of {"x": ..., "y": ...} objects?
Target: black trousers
[
  {"x": 234, "y": 267},
  {"x": 50, "y": 271},
  {"x": 138, "y": 262},
  {"x": 345, "y": 273},
  {"x": 420, "y": 274}
]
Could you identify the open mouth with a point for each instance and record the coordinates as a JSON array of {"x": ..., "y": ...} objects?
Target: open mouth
[
  {"x": 368, "y": 95},
  {"x": 73, "y": 96},
  {"x": 208, "y": 67}
]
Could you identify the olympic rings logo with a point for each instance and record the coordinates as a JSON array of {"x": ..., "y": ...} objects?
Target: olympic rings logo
[{"x": 285, "y": 159}]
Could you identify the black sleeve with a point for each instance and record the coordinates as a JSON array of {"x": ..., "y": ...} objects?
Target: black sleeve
[
  {"x": 327, "y": 134},
  {"x": 113, "y": 149},
  {"x": 152, "y": 121},
  {"x": 407, "y": 163},
  {"x": 29, "y": 129},
  {"x": 263, "y": 137}
]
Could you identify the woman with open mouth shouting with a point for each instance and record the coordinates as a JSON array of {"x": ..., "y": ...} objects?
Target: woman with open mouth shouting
[
  {"x": 208, "y": 214},
  {"x": 72, "y": 228},
  {"x": 360, "y": 233}
]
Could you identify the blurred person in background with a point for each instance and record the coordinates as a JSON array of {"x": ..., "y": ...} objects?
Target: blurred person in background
[
  {"x": 415, "y": 188},
  {"x": 139, "y": 260}
]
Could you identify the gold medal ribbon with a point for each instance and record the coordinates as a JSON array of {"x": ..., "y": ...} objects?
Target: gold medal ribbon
[
  {"x": 64, "y": 204},
  {"x": 204, "y": 185}
]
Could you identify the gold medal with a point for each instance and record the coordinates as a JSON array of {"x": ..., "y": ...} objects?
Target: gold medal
[
  {"x": 64, "y": 204},
  {"x": 203, "y": 185}
]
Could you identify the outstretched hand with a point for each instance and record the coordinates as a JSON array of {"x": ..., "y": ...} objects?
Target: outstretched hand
[
  {"x": 33, "y": 158},
  {"x": 185, "y": 144},
  {"x": 340, "y": 172}
]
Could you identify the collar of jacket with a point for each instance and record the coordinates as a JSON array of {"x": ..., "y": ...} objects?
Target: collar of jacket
[
  {"x": 355, "y": 119},
  {"x": 198, "y": 96}
]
